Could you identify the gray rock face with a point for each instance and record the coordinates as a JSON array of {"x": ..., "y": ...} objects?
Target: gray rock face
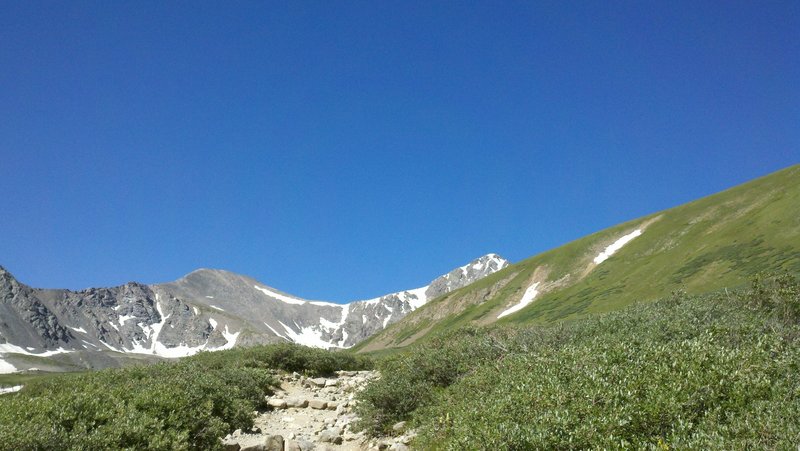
[
  {"x": 465, "y": 275},
  {"x": 205, "y": 310}
]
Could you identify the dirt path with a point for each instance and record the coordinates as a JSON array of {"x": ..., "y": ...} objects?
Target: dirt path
[{"x": 312, "y": 413}]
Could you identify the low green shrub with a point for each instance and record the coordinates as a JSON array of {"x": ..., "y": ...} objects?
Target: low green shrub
[
  {"x": 688, "y": 372},
  {"x": 187, "y": 404}
]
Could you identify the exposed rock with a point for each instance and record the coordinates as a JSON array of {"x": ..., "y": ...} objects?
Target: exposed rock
[
  {"x": 296, "y": 402},
  {"x": 277, "y": 403},
  {"x": 399, "y": 427},
  {"x": 230, "y": 444},
  {"x": 183, "y": 317},
  {"x": 273, "y": 443},
  {"x": 317, "y": 404}
]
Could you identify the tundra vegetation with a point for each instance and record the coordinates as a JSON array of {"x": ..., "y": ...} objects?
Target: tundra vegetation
[
  {"x": 715, "y": 371},
  {"x": 188, "y": 404}
]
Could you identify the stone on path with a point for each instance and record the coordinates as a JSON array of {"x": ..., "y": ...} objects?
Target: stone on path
[
  {"x": 318, "y": 404},
  {"x": 273, "y": 443}
]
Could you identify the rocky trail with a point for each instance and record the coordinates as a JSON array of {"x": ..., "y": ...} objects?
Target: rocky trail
[{"x": 314, "y": 414}]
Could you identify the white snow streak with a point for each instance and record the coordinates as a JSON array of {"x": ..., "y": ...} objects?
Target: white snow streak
[
  {"x": 527, "y": 298},
  {"x": 10, "y": 389},
  {"x": 279, "y": 296},
  {"x": 7, "y": 368},
  {"x": 275, "y": 331},
  {"x": 14, "y": 349},
  {"x": 615, "y": 246},
  {"x": 215, "y": 307},
  {"x": 78, "y": 329}
]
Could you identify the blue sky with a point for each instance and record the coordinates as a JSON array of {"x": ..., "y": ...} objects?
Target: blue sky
[{"x": 342, "y": 150}]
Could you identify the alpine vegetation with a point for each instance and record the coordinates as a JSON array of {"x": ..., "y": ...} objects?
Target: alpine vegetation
[{"x": 717, "y": 371}]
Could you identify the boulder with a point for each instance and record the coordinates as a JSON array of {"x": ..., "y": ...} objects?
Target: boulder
[
  {"x": 318, "y": 404},
  {"x": 318, "y": 381},
  {"x": 296, "y": 402},
  {"x": 332, "y": 435},
  {"x": 277, "y": 403},
  {"x": 273, "y": 443},
  {"x": 399, "y": 427},
  {"x": 332, "y": 383},
  {"x": 230, "y": 444}
]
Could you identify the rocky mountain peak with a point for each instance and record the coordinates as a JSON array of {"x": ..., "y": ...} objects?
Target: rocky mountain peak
[{"x": 465, "y": 275}]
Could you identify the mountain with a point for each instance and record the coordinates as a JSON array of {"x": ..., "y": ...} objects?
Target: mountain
[
  {"x": 205, "y": 310},
  {"x": 715, "y": 242}
]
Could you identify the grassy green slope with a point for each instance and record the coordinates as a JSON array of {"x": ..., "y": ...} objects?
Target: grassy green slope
[{"x": 718, "y": 241}]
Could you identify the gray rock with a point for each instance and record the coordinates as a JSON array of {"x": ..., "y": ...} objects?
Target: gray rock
[
  {"x": 273, "y": 443},
  {"x": 318, "y": 381},
  {"x": 332, "y": 435},
  {"x": 332, "y": 383},
  {"x": 399, "y": 427},
  {"x": 230, "y": 444},
  {"x": 398, "y": 447},
  {"x": 187, "y": 310},
  {"x": 318, "y": 404},
  {"x": 296, "y": 402},
  {"x": 277, "y": 403}
]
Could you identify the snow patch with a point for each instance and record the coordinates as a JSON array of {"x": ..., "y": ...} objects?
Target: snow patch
[
  {"x": 332, "y": 326},
  {"x": 230, "y": 337},
  {"x": 210, "y": 297},
  {"x": 279, "y": 296},
  {"x": 7, "y": 348},
  {"x": 275, "y": 331},
  {"x": 217, "y": 308},
  {"x": 213, "y": 323},
  {"x": 307, "y": 337},
  {"x": 196, "y": 310},
  {"x": 122, "y": 318},
  {"x": 10, "y": 389},
  {"x": 7, "y": 368},
  {"x": 417, "y": 298},
  {"x": 615, "y": 246},
  {"x": 111, "y": 347},
  {"x": 527, "y": 298},
  {"x": 77, "y": 329}
]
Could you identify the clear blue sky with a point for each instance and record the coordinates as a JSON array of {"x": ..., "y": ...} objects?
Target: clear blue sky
[{"x": 341, "y": 150}]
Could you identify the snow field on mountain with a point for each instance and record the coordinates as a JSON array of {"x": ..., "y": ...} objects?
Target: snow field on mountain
[
  {"x": 615, "y": 246},
  {"x": 527, "y": 298}
]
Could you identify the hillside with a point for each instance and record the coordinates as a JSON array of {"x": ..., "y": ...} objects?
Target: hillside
[{"x": 717, "y": 241}]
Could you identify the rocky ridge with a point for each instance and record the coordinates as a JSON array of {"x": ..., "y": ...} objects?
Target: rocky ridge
[{"x": 206, "y": 310}]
